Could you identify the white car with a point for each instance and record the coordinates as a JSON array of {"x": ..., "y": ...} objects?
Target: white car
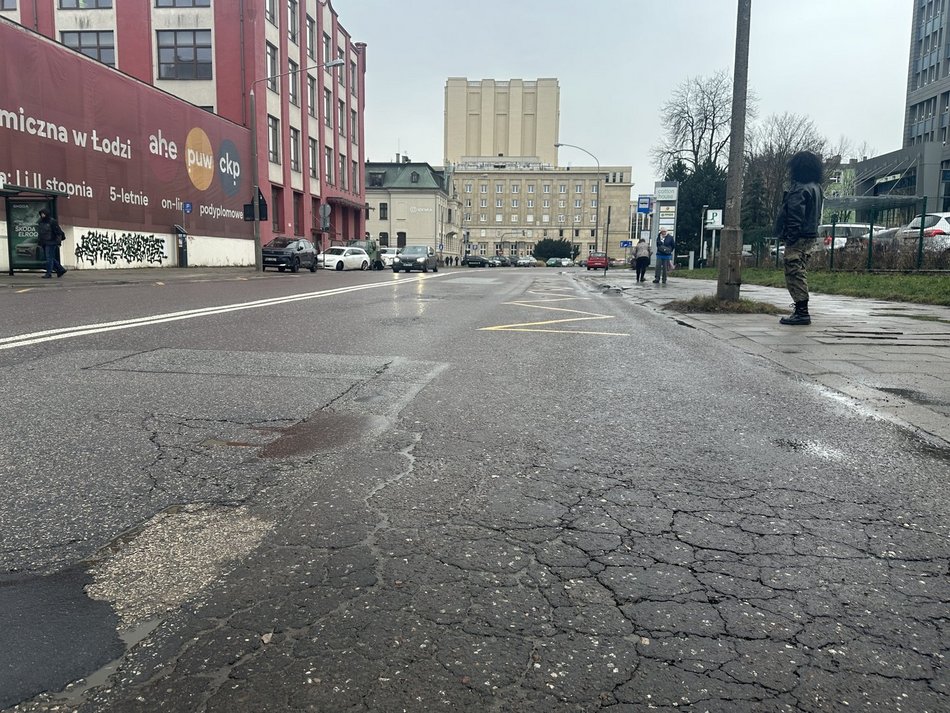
[
  {"x": 387, "y": 255},
  {"x": 340, "y": 258}
]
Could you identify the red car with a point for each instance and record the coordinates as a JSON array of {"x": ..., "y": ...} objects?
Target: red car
[{"x": 597, "y": 261}]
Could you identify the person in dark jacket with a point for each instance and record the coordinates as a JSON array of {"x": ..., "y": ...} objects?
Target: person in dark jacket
[
  {"x": 665, "y": 245},
  {"x": 50, "y": 236},
  {"x": 797, "y": 227}
]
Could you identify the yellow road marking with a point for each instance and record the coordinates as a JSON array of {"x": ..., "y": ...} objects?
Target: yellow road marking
[{"x": 540, "y": 304}]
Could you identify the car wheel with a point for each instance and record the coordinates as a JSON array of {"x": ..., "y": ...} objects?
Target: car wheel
[
  {"x": 395, "y": 270},
  {"x": 313, "y": 265},
  {"x": 339, "y": 266},
  {"x": 408, "y": 269},
  {"x": 263, "y": 268},
  {"x": 364, "y": 266},
  {"x": 281, "y": 268},
  {"x": 425, "y": 268},
  {"x": 295, "y": 266},
  {"x": 435, "y": 268}
]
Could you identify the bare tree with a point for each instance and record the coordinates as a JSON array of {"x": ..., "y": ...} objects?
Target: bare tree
[
  {"x": 696, "y": 119},
  {"x": 770, "y": 144}
]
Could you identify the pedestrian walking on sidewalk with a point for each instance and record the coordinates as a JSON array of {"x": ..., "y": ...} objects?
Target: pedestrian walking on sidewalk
[
  {"x": 665, "y": 245},
  {"x": 50, "y": 236},
  {"x": 641, "y": 257},
  {"x": 797, "y": 226}
]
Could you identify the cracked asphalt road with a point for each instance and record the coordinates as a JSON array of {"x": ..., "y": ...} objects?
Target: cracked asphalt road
[{"x": 450, "y": 518}]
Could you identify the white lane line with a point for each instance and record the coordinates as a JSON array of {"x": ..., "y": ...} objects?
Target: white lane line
[{"x": 50, "y": 335}]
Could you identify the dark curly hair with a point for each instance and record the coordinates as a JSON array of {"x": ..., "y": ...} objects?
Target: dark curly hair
[{"x": 805, "y": 167}]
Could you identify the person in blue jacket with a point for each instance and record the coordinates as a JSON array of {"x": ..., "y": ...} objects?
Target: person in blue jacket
[{"x": 665, "y": 244}]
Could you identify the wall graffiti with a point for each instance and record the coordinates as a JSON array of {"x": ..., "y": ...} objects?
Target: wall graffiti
[{"x": 130, "y": 247}]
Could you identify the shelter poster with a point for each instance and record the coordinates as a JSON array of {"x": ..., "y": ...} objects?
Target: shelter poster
[{"x": 127, "y": 155}]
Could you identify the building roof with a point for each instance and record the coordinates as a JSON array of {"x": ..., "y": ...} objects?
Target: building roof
[{"x": 406, "y": 175}]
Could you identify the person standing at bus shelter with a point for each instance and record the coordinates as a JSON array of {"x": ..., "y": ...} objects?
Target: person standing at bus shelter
[{"x": 50, "y": 236}]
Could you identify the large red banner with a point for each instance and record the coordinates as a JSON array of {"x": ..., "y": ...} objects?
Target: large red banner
[{"x": 129, "y": 156}]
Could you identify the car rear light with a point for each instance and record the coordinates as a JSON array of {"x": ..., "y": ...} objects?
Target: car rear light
[
  {"x": 933, "y": 232},
  {"x": 827, "y": 240}
]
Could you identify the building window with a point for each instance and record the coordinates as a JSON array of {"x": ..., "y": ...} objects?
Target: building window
[
  {"x": 343, "y": 171},
  {"x": 482, "y": 218},
  {"x": 562, "y": 188},
  {"x": 314, "y": 158},
  {"x": 545, "y": 203},
  {"x": 327, "y": 48},
  {"x": 276, "y": 199},
  {"x": 182, "y": 3},
  {"x": 483, "y": 203},
  {"x": 341, "y": 118},
  {"x": 293, "y": 20},
  {"x": 560, "y": 204},
  {"x": 546, "y": 188},
  {"x": 468, "y": 202},
  {"x": 311, "y": 38},
  {"x": 577, "y": 203},
  {"x": 530, "y": 203},
  {"x": 356, "y": 176},
  {"x": 298, "y": 213},
  {"x": 85, "y": 4},
  {"x": 7, "y": 4},
  {"x": 467, "y": 217},
  {"x": 515, "y": 188},
  {"x": 499, "y": 188},
  {"x": 384, "y": 211},
  {"x": 593, "y": 203},
  {"x": 499, "y": 203},
  {"x": 514, "y": 202},
  {"x": 294, "y": 149},
  {"x": 483, "y": 188},
  {"x": 468, "y": 187},
  {"x": 273, "y": 139},
  {"x": 354, "y": 134},
  {"x": 312, "y": 96},
  {"x": 560, "y": 219},
  {"x": 340, "y": 72},
  {"x": 270, "y": 11},
  {"x": 98, "y": 45},
  {"x": 184, "y": 54},
  {"x": 499, "y": 218},
  {"x": 353, "y": 76},
  {"x": 328, "y": 108},
  {"x": 328, "y": 164},
  {"x": 270, "y": 53},
  {"x": 593, "y": 189},
  {"x": 578, "y": 187},
  {"x": 293, "y": 82},
  {"x": 414, "y": 177},
  {"x": 531, "y": 188}
]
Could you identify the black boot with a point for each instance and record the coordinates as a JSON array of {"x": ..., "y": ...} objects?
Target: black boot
[{"x": 799, "y": 316}]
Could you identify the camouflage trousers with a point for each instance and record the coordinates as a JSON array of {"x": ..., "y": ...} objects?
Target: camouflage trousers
[{"x": 796, "y": 268}]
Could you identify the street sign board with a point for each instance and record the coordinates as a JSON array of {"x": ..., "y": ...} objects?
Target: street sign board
[
  {"x": 626, "y": 243},
  {"x": 186, "y": 207},
  {"x": 441, "y": 247},
  {"x": 713, "y": 219},
  {"x": 644, "y": 203}
]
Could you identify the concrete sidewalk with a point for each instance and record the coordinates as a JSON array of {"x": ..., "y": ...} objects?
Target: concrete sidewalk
[{"x": 892, "y": 358}]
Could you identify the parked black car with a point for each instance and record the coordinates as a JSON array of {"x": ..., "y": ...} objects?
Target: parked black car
[
  {"x": 476, "y": 261},
  {"x": 289, "y": 253}
]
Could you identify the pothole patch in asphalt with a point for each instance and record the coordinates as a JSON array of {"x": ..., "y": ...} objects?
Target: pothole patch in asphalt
[{"x": 167, "y": 561}]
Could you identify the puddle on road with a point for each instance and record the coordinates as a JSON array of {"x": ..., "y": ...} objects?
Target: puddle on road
[
  {"x": 322, "y": 431},
  {"x": 813, "y": 448},
  {"x": 74, "y": 692}
]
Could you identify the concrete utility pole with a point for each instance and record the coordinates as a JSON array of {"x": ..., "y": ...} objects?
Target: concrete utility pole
[{"x": 730, "y": 266}]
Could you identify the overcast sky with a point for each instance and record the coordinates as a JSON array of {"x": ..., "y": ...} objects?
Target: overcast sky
[{"x": 843, "y": 63}]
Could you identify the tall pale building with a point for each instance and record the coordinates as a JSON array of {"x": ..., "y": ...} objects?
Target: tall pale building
[{"x": 491, "y": 117}]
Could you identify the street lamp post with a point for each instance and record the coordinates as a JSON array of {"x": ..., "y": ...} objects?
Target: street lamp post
[
  {"x": 255, "y": 172},
  {"x": 597, "y": 211}
]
